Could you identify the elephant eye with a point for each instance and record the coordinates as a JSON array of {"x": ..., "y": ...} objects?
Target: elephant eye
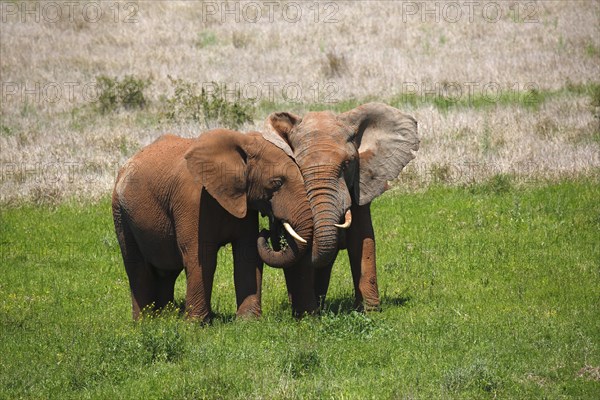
[{"x": 276, "y": 183}]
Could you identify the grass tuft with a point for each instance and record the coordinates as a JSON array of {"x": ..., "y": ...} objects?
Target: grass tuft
[
  {"x": 352, "y": 325},
  {"x": 206, "y": 39},
  {"x": 334, "y": 65},
  {"x": 161, "y": 338},
  {"x": 302, "y": 363},
  {"x": 476, "y": 377}
]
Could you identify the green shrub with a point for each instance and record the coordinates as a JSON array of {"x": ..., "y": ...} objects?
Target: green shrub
[
  {"x": 127, "y": 93},
  {"x": 208, "y": 105}
]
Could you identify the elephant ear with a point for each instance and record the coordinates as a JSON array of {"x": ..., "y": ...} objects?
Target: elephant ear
[
  {"x": 386, "y": 139},
  {"x": 277, "y": 130},
  {"x": 217, "y": 161}
]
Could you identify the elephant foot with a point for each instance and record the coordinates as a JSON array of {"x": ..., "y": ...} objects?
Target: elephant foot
[
  {"x": 367, "y": 295},
  {"x": 301, "y": 314},
  {"x": 367, "y": 305},
  {"x": 202, "y": 318},
  {"x": 250, "y": 308},
  {"x": 301, "y": 310}
]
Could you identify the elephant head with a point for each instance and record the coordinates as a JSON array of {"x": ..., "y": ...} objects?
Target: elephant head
[
  {"x": 345, "y": 159},
  {"x": 245, "y": 170}
]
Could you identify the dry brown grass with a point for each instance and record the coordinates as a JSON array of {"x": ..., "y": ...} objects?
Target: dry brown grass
[{"x": 52, "y": 150}]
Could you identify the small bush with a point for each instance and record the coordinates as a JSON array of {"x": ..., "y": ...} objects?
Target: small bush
[
  {"x": 208, "y": 105},
  {"x": 127, "y": 93},
  {"x": 131, "y": 92}
]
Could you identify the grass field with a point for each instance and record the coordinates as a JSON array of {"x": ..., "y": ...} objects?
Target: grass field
[
  {"x": 488, "y": 249},
  {"x": 489, "y": 291}
]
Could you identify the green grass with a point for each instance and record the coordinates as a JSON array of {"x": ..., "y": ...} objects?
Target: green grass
[
  {"x": 488, "y": 291},
  {"x": 528, "y": 97}
]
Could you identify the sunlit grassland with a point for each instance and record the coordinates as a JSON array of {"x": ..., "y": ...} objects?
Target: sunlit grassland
[
  {"x": 488, "y": 290},
  {"x": 490, "y": 282},
  {"x": 511, "y": 96}
]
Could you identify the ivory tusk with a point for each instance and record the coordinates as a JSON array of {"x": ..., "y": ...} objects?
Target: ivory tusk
[
  {"x": 293, "y": 233},
  {"x": 347, "y": 222}
]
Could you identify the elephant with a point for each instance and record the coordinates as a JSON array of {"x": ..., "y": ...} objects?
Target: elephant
[
  {"x": 346, "y": 161},
  {"x": 177, "y": 201}
]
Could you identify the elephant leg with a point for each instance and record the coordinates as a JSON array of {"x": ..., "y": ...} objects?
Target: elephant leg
[
  {"x": 142, "y": 281},
  {"x": 166, "y": 287},
  {"x": 200, "y": 272},
  {"x": 143, "y": 285},
  {"x": 361, "y": 251},
  {"x": 300, "y": 281},
  {"x": 322, "y": 277},
  {"x": 247, "y": 276}
]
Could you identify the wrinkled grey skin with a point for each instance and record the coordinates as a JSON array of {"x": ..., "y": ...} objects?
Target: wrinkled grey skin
[{"x": 346, "y": 161}]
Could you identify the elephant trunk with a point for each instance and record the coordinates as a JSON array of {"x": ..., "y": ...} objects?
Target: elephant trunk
[
  {"x": 327, "y": 212},
  {"x": 300, "y": 221}
]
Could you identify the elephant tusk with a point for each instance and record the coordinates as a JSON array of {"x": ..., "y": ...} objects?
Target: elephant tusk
[
  {"x": 293, "y": 233},
  {"x": 347, "y": 222}
]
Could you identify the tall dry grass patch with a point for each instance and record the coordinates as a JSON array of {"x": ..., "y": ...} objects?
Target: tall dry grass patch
[{"x": 295, "y": 56}]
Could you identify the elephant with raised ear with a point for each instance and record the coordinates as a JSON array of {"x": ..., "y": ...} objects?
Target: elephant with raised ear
[
  {"x": 177, "y": 201},
  {"x": 346, "y": 161}
]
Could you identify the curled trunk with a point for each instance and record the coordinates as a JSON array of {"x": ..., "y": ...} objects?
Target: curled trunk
[{"x": 282, "y": 257}]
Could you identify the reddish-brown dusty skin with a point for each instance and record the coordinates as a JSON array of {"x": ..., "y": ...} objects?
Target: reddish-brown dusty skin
[{"x": 177, "y": 201}]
